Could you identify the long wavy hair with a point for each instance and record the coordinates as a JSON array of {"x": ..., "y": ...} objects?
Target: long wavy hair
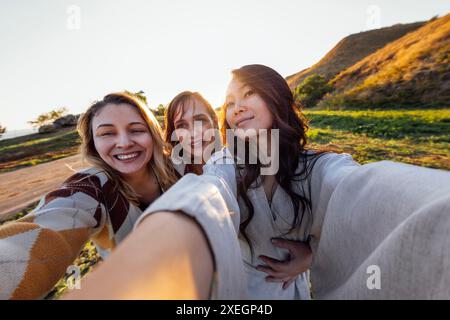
[
  {"x": 295, "y": 162},
  {"x": 160, "y": 162},
  {"x": 179, "y": 104},
  {"x": 181, "y": 100}
]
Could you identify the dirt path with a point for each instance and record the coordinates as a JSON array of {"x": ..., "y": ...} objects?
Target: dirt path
[{"x": 20, "y": 188}]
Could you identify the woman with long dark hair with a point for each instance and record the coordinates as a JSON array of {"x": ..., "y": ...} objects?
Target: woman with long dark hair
[{"x": 273, "y": 212}]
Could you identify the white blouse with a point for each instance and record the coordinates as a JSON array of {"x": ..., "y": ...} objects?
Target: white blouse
[{"x": 218, "y": 182}]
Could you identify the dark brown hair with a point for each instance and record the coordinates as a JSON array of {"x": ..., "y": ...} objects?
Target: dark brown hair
[{"x": 292, "y": 125}]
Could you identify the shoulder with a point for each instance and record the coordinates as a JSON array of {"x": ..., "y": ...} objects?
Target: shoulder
[
  {"x": 223, "y": 156},
  {"x": 91, "y": 181},
  {"x": 331, "y": 168},
  {"x": 90, "y": 176},
  {"x": 322, "y": 159},
  {"x": 221, "y": 164}
]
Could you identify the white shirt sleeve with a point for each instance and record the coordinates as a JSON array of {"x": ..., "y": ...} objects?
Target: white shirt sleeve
[{"x": 211, "y": 200}]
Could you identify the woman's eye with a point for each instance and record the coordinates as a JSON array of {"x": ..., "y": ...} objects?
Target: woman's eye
[
  {"x": 106, "y": 134},
  {"x": 137, "y": 131},
  {"x": 229, "y": 104},
  {"x": 248, "y": 93}
]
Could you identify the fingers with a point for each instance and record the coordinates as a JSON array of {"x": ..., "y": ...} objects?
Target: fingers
[
  {"x": 271, "y": 262},
  {"x": 282, "y": 243},
  {"x": 274, "y": 276},
  {"x": 269, "y": 271},
  {"x": 291, "y": 245},
  {"x": 277, "y": 277},
  {"x": 277, "y": 265}
]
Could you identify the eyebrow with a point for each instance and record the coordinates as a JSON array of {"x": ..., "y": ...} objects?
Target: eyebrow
[
  {"x": 200, "y": 116},
  {"x": 111, "y": 125},
  {"x": 105, "y": 125},
  {"x": 136, "y": 122},
  {"x": 240, "y": 88}
]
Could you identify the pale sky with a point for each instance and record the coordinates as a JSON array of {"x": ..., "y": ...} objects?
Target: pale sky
[{"x": 56, "y": 53}]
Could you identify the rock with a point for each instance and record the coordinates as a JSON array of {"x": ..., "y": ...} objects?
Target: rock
[
  {"x": 66, "y": 121},
  {"x": 47, "y": 128}
]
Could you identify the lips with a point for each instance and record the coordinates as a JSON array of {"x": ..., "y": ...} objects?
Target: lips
[
  {"x": 127, "y": 156},
  {"x": 242, "y": 120}
]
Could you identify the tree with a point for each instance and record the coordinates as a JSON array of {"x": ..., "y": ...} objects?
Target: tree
[
  {"x": 2, "y": 129},
  {"x": 159, "y": 110},
  {"x": 311, "y": 90},
  {"x": 48, "y": 117},
  {"x": 140, "y": 95}
]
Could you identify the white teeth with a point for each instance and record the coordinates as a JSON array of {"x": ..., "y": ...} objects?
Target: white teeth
[{"x": 126, "y": 156}]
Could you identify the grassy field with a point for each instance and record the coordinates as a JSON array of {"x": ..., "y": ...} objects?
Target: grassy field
[
  {"x": 419, "y": 137},
  {"x": 415, "y": 136},
  {"x": 37, "y": 148}
]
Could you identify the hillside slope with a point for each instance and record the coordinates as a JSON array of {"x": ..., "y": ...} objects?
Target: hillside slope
[
  {"x": 352, "y": 49},
  {"x": 411, "y": 71}
]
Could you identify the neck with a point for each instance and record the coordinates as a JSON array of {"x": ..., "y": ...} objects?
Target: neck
[
  {"x": 139, "y": 179},
  {"x": 194, "y": 168}
]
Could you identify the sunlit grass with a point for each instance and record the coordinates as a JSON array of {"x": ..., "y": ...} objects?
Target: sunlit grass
[{"x": 420, "y": 137}]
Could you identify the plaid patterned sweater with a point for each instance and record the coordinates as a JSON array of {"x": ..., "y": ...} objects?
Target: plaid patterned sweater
[{"x": 36, "y": 250}]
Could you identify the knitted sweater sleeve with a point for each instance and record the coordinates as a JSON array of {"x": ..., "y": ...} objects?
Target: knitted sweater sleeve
[{"x": 36, "y": 250}]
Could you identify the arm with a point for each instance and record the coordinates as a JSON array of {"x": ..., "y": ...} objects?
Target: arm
[
  {"x": 210, "y": 200},
  {"x": 36, "y": 250},
  {"x": 328, "y": 172},
  {"x": 392, "y": 218},
  {"x": 166, "y": 257}
]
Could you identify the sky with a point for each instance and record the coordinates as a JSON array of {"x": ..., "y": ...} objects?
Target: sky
[{"x": 68, "y": 53}]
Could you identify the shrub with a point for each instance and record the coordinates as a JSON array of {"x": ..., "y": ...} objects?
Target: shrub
[{"x": 311, "y": 90}]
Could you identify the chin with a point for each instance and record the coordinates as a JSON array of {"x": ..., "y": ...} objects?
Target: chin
[
  {"x": 132, "y": 169},
  {"x": 127, "y": 172}
]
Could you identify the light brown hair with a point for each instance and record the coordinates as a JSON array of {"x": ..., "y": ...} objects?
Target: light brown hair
[
  {"x": 160, "y": 161},
  {"x": 180, "y": 101}
]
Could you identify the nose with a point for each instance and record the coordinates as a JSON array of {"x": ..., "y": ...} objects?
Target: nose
[
  {"x": 239, "y": 107},
  {"x": 124, "y": 141},
  {"x": 196, "y": 131}
]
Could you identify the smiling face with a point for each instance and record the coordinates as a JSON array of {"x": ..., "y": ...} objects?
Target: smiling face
[
  {"x": 122, "y": 138},
  {"x": 191, "y": 123},
  {"x": 245, "y": 109}
]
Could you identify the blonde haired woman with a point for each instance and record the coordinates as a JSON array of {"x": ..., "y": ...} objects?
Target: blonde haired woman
[{"x": 122, "y": 140}]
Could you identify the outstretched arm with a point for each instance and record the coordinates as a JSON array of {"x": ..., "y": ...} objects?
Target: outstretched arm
[
  {"x": 36, "y": 250},
  {"x": 166, "y": 257}
]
